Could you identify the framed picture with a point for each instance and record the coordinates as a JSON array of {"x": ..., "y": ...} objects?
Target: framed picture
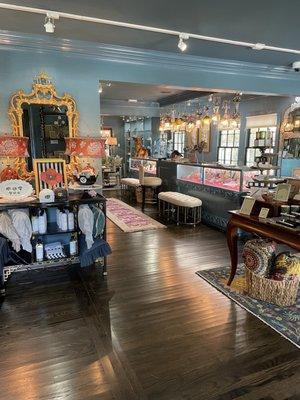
[
  {"x": 49, "y": 173},
  {"x": 282, "y": 192},
  {"x": 247, "y": 205}
]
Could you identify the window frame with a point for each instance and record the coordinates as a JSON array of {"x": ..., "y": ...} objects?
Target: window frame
[
  {"x": 257, "y": 152},
  {"x": 235, "y": 146}
]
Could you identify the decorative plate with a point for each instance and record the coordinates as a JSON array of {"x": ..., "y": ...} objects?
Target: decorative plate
[{"x": 15, "y": 189}]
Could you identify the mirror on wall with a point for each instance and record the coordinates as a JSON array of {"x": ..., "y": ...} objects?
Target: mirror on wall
[
  {"x": 46, "y": 118},
  {"x": 291, "y": 134},
  {"x": 46, "y": 126}
]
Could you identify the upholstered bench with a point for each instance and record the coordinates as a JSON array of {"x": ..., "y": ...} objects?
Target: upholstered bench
[{"x": 180, "y": 207}]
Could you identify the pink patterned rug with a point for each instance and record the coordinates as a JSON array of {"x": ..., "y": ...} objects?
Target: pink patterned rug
[{"x": 128, "y": 218}]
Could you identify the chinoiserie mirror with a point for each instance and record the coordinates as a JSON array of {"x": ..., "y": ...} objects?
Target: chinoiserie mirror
[{"x": 44, "y": 117}]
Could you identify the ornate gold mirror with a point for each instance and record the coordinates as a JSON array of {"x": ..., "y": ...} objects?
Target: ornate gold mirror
[{"x": 45, "y": 118}]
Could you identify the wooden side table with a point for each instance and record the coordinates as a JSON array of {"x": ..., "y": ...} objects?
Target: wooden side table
[{"x": 253, "y": 224}]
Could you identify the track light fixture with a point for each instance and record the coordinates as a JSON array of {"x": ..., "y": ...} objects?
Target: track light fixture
[
  {"x": 49, "y": 26},
  {"x": 49, "y": 22},
  {"x": 181, "y": 43}
]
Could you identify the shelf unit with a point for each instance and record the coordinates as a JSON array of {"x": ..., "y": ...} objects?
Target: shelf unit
[
  {"x": 73, "y": 202},
  {"x": 137, "y": 127}
]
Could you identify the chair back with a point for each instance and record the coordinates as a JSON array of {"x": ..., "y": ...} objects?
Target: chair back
[{"x": 141, "y": 174}]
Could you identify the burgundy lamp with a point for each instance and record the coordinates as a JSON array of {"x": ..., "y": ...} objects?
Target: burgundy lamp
[
  {"x": 87, "y": 147},
  {"x": 13, "y": 147}
]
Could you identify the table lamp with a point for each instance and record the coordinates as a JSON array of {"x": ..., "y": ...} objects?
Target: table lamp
[
  {"x": 87, "y": 147},
  {"x": 14, "y": 147},
  {"x": 112, "y": 142}
]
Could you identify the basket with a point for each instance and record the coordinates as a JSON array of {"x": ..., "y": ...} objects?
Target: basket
[{"x": 282, "y": 293}]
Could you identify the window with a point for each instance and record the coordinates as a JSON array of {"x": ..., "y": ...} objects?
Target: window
[
  {"x": 251, "y": 150},
  {"x": 179, "y": 141},
  {"x": 229, "y": 146}
]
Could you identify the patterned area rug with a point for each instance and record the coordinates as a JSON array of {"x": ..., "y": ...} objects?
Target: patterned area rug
[
  {"x": 128, "y": 218},
  {"x": 284, "y": 320}
]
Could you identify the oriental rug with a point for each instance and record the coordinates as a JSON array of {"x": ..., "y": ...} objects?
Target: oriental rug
[
  {"x": 284, "y": 320},
  {"x": 128, "y": 218}
]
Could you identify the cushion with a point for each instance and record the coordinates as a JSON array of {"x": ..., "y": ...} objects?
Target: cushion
[
  {"x": 258, "y": 255},
  {"x": 153, "y": 181},
  {"x": 180, "y": 199},
  {"x": 285, "y": 266},
  {"x": 130, "y": 182}
]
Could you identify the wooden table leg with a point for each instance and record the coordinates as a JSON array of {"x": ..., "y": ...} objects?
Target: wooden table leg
[{"x": 233, "y": 249}]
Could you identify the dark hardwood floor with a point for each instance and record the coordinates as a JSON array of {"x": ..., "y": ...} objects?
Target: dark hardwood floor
[{"x": 151, "y": 330}]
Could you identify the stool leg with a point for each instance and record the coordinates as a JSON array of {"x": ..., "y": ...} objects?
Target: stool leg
[
  {"x": 143, "y": 196},
  {"x": 195, "y": 212},
  {"x": 177, "y": 218}
]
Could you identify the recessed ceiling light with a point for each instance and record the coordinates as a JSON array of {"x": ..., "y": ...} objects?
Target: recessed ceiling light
[{"x": 132, "y": 100}]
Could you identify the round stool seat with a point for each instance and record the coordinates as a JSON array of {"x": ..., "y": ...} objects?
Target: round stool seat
[
  {"x": 151, "y": 181},
  {"x": 130, "y": 182}
]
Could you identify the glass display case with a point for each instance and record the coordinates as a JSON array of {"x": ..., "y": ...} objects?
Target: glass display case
[
  {"x": 230, "y": 178},
  {"x": 190, "y": 173},
  {"x": 149, "y": 165}
]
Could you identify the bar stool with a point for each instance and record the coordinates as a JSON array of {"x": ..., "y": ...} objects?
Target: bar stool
[{"x": 152, "y": 182}]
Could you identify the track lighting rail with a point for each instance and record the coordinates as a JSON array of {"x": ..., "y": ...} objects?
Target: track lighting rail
[{"x": 60, "y": 14}]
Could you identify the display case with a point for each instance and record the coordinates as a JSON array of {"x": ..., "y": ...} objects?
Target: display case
[
  {"x": 149, "y": 165},
  {"x": 190, "y": 173},
  {"x": 230, "y": 178}
]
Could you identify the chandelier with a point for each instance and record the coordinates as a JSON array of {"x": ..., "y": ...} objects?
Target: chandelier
[{"x": 214, "y": 112}]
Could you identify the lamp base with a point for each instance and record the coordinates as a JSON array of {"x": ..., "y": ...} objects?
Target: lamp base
[{"x": 8, "y": 173}]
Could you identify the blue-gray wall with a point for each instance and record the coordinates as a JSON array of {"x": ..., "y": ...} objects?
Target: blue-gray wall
[{"x": 77, "y": 67}]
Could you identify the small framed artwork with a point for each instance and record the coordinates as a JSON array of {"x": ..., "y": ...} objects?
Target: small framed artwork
[
  {"x": 49, "y": 173},
  {"x": 247, "y": 205},
  {"x": 282, "y": 192},
  {"x": 264, "y": 212}
]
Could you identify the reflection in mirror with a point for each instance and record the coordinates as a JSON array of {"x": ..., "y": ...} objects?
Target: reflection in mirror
[
  {"x": 47, "y": 127},
  {"x": 291, "y": 134}
]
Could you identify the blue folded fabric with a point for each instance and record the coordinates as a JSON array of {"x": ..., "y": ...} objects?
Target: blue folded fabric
[{"x": 99, "y": 249}]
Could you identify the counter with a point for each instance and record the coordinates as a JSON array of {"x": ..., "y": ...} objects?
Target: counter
[
  {"x": 149, "y": 164},
  {"x": 219, "y": 187}
]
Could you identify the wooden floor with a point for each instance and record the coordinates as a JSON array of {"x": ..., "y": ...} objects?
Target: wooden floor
[{"x": 151, "y": 330}]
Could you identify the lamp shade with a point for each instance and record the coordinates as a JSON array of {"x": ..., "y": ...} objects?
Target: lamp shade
[
  {"x": 85, "y": 147},
  {"x": 112, "y": 141},
  {"x": 13, "y": 146}
]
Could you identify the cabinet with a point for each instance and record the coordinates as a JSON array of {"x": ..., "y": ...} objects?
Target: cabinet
[
  {"x": 149, "y": 165},
  {"x": 229, "y": 178}
]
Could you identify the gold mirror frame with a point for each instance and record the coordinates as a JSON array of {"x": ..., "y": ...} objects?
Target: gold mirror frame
[{"x": 43, "y": 92}]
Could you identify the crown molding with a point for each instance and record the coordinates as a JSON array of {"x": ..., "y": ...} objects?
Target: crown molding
[{"x": 15, "y": 41}]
